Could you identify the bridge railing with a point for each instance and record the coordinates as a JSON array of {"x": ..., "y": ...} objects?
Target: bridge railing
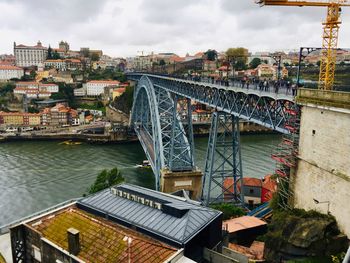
[{"x": 266, "y": 85}]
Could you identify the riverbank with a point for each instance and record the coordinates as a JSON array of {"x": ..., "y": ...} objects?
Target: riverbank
[
  {"x": 123, "y": 135},
  {"x": 89, "y": 138}
]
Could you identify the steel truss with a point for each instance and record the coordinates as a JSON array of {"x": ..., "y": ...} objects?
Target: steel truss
[
  {"x": 223, "y": 168},
  {"x": 159, "y": 128},
  {"x": 264, "y": 108}
]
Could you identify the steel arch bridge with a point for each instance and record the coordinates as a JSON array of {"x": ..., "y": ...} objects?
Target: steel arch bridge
[{"x": 164, "y": 128}]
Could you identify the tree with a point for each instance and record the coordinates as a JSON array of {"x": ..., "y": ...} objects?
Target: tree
[
  {"x": 342, "y": 64},
  {"x": 106, "y": 179},
  {"x": 162, "y": 62},
  {"x": 211, "y": 54},
  {"x": 49, "y": 53},
  {"x": 95, "y": 57},
  {"x": 255, "y": 63},
  {"x": 318, "y": 63},
  {"x": 228, "y": 210},
  {"x": 237, "y": 57},
  {"x": 55, "y": 55}
]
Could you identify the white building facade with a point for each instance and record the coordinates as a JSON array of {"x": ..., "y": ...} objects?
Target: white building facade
[
  {"x": 27, "y": 56},
  {"x": 8, "y": 72},
  {"x": 96, "y": 87}
]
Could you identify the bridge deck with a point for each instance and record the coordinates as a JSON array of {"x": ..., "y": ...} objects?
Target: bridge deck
[{"x": 282, "y": 93}]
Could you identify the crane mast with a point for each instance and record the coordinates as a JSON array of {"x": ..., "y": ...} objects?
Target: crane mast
[{"x": 330, "y": 35}]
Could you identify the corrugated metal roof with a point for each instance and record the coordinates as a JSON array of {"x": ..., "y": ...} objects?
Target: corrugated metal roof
[{"x": 178, "y": 220}]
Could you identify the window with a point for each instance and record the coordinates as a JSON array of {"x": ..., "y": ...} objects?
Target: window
[
  {"x": 251, "y": 191},
  {"x": 37, "y": 253}
]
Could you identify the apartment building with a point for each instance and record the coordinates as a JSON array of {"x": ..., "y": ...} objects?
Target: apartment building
[
  {"x": 59, "y": 115},
  {"x": 8, "y": 72},
  {"x": 96, "y": 87},
  {"x": 34, "y": 90},
  {"x": 20, "y": 119}
]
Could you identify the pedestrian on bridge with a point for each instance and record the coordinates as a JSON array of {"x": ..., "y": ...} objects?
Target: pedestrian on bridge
[
  {"x": 266, "y": 84},
  {"x": 261, "y": 85},
  {"x": 294, "y": 89},
  {"x": 288, "y": 86}
]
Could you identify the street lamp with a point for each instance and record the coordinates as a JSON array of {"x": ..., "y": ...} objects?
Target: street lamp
[{"x": 323, "y": 202}]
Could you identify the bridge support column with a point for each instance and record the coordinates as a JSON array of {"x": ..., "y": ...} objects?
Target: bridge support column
[
  {"x": 190, "y": 181},
  {"x": 223, "y": 168}
]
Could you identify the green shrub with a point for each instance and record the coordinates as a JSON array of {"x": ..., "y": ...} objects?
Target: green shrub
[
  {"x": 106, "y": 179},
  {"x": 228, "y": 210}
]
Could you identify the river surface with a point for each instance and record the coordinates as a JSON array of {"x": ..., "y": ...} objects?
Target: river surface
[{"x": 37, "y": 175}]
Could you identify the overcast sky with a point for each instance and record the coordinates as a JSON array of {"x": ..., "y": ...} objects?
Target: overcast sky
[{"x": 125, "y": 27}]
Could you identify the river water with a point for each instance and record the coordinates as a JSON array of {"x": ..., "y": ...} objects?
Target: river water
[{"x": 37, "y": 175}]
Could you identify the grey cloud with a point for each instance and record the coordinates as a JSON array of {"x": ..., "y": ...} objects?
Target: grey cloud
[{"x": 123, "y": 27}]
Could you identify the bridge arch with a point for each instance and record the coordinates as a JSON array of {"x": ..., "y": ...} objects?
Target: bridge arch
[
  {"x": 146, "y": 122},
  {"x": 159, "y": 128}
]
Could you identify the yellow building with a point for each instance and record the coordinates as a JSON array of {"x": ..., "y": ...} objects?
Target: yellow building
[
  {"x": 34, "y": 119},
  {"x": 11, "y": 118},
  {"x": 117, "y": 92},
  {"x": 42, "y": 75},
  {"x": 20, "y": 119}
]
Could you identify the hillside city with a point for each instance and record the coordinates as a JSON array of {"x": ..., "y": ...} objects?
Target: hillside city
[
  {"x": 224, "y": 138},
  {"x": 44, "y": 87}
]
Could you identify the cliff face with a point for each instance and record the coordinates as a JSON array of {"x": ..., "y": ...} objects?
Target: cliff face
[{"x": 299, "y": 234}]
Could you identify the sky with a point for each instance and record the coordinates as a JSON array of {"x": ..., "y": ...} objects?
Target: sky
[{"x": 127, "y": 27}]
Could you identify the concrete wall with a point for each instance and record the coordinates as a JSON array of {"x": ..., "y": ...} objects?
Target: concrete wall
[{"x": 323, "y": 171}]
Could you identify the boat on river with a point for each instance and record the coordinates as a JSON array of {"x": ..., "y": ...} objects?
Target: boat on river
[
  {"x": 70, "y": 142},
  {"x": 145, "y": 165}
]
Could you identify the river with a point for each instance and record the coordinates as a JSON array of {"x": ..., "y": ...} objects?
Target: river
[{"x": 37, "y": 175}]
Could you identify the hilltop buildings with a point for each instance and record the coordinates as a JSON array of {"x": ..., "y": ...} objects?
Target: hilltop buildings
[
  {"x": 27, "y": 56},
  {"x": 34, "y": 90}
]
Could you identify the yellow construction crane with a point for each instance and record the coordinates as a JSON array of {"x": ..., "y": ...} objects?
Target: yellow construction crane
[{"x": 330, "y": 35}]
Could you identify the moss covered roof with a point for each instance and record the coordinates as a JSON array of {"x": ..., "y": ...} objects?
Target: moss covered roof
[{"x": 100, "y": 240}]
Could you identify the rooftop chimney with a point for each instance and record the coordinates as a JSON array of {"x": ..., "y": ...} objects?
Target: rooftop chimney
[{"x": 73, "y": 241}]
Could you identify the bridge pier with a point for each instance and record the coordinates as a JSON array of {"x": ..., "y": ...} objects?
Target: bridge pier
[
  {"x": 190, "y": 181},
  {"x": 223, "y": 167}
]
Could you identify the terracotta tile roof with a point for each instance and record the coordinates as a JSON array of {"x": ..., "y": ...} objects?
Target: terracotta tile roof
[
  {"x": 2, "y": 113},
  {"x": 269, "y": 184},
  {"x": 120, "y": 90},
  {"x": 54, "y": 60},
  {"x": 243, "y": 222},
  {"x": 47, "y": 84},
  {"x": 9, "y": 67},
  {"x": 72, "y": 60},
  {"x": 26, "y": 83},
  {"x": 254, "y": 252},
  {"x": 250, "y": 181},
  {"x": 101, "y": 240},
  {"x": 109, "y": 82}
]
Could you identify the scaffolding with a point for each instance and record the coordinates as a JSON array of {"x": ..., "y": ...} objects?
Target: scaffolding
[{"x": 286, "y": 158}]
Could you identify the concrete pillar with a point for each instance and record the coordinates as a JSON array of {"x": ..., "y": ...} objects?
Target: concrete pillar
[{"x": 189, "y": 181}]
